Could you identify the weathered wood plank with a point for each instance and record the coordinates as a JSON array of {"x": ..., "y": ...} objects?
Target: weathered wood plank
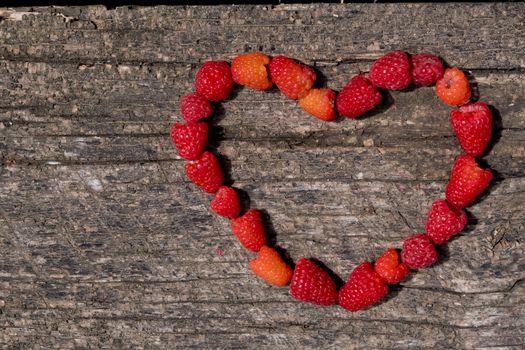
[
  {"x": 105, "y": 244},
  {"x": 331, "y": 32}
]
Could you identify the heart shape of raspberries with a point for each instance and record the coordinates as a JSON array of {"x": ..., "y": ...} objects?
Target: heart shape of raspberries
[{"x": 309, "y": 281}]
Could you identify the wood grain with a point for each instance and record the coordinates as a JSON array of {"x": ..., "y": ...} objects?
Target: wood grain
[{"x": 105, "y": 244}]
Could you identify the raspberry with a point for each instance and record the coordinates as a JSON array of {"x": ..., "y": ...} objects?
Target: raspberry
[
  {"x": 206, "y": 173},
  {"x": 226, "y": 202},
  {"x": 391, "y": 72},
  {"x": 357, "y": 97},
  {"x": 319, "y": 103},
  {"x": 293, "y": 79},
  {"x": 214, "y": 80},
  {"x": 453, "y": 88},
  {"x": 472, "y": 124},
  {"x": 249, "y": 230},
  {"x": 194, "y": 107},
  {"x": 190, "y": 139},
  {"x": 444, "y": 221},
  {"x": 364, "y": 288},
  {"x": 418, "y": 252},
  {"x": 251, "y": 69},
  {"x": 426, "y": 69},
  {"x": 467, "y": 181},
  {"x": 312, "y": 284},
  {"x": 269, "y": 266},
  {"x": 390, "y": 268}
]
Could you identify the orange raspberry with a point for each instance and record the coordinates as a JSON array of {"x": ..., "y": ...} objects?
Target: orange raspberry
[
  {"x": 453, "y": 88},
  {"x": 251, "y": 70},
  {"x": 269, "y": 266},
  {"x": 319, "y": 103},
  {"x": 390, "y": 268}
]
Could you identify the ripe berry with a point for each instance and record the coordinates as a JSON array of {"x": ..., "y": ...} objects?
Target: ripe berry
[
  {"x": 269, "y": 266},
  {"x": 426, "y": 69},
  {"x": 364, "y": 288},
  {"x": 226, "y": 202},
  {"x": 251, "y": 69},
  {"x": 214, "y": 80},
  {"x": 390, "y": 268},
  {"x": 418, "y": 252},
  {"x": 194, "y": 107},
  {"x": 249, "y": 230},
  {"x": 392, "y": 71},
  {"x": 357, "y": 97},
  {"x": 319, "y": 103},
  {"x": 190, "y": 139},
  {"x": 206, "y": 173},
  {"x": 472, "y": 124},
  {"x": 467, "y": 181},
  {"x": 444, "y": 221},
  {"x": 453, "y": 88},
  {"x": 293, "y": 79},
  {"x": 312, "y": 284}
]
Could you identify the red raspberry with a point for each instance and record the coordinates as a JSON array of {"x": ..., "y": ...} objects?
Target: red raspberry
[
  {"x": 251, "y": 69},
  {"x": 453, "y": 88},
  {"x": 190, "y": 139},
  {"x": 319, "y": 103},
  {"x": 206, "y": 173},
  {"x": 364, "y": 288},
  {"x": 418, "y": 252},
  {"x": 390, "y": 268},
  {"x": 249, "y": 230},
  {"x": 444, "y": 221},
  {"x": 226, "y": 202},
  {"x": 293, "y": 79},
  {"x": 214, "y": 80},
  {"x": 467, "y": 181},
  {"x": 472, "y": 124},
  {"x": 426, "y": 69},
  {"x": 357, "y": 97},
  {"x": 312, "y": 284},
  {"x": 271, "y": 267},
  {"x": 391, "y": 72},
  {"x": 194, "y": 107}
]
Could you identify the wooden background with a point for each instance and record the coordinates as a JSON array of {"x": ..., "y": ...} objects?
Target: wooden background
[{"x": 105, "y": 244}]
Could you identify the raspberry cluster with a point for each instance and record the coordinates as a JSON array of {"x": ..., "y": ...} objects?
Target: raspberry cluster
[{"x": 309, "y": 282}]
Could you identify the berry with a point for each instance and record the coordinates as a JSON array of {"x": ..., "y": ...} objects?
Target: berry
[
  {"x": 226, "y": 202},
  {"x": 194, "y": 107},
  {"x": 206, "y": 173},
  {"x": 190, "y": 139},
  {"x": 418, "y": 252},
  {"x": 319, "y": 103},
  {"x": 249, "y": 230},
  {"x": 467, "y": 181},
  {"x": 390, "y": 268},
  {"x": 453, "y": 88},
  {"x": 426, "y": 69},
  {"x": 312, "y": 284},
  {"x": 357, "y": 97},
  {"x": 364, "y": 288},
  {"x": 292, "y": 78},
  {"x": 472, "y": 124},
  {"x": 269, "y": 266},
  {"x": 392, "y": 71},
  {"x": 214, "y": 80},
  {"x": 444, "y": 221},
  {"x": 251, "y": 69}
]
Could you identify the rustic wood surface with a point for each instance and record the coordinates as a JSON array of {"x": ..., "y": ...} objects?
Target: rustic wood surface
[{"x": 105, "y": 244}]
